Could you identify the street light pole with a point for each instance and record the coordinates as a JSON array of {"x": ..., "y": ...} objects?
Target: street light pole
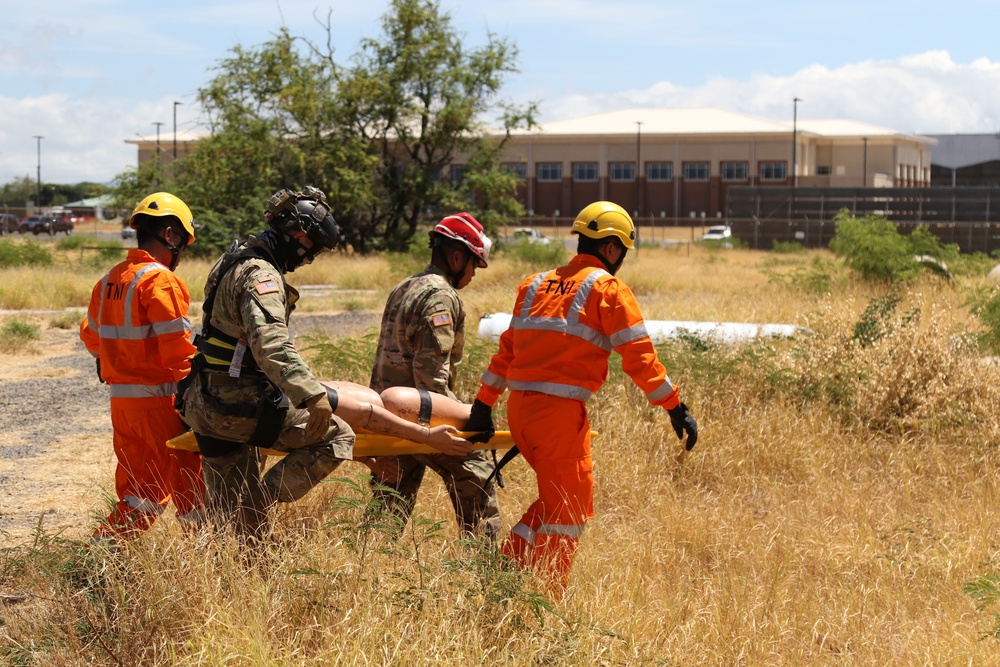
[
  {"x": 38, "y": 181},
  {"x": 638, "y": 170},
  {"x": 157, "y": 124},
  {"x": 864, "y": 178},
  {"x": 175, "y": 128},
  {"x": 795, "y": 141}
]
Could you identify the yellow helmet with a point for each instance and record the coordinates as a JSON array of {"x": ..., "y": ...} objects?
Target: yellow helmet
[
  {"x": 602, "y": 219},
  {"x": 160, "y": 204}
]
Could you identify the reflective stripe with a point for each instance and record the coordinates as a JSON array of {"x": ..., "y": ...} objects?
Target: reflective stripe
[
  {"x": 143, "y": 331},
  {"x": 629, "y": 335},
  {"x": 662, "y": 391},
  {"x": 525, "y": 533},
  {"x": 494, "y": 380},
  {"x": 560, "y": 325},
  {"x": 529, "y": 295},
  {"x": 143, "y": 505},
  {"x": 152, "y": 266},
  {"x": 553, "y": 389},
  {"x": 570, "y": 324},
  {"x": 573, "y": 530},
  {"x": 143, "y": 390}
]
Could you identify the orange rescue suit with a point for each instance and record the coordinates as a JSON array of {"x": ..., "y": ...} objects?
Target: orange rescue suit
[
  {"x": 553, "y": 357},
  {"x": 137, "y": 326}
]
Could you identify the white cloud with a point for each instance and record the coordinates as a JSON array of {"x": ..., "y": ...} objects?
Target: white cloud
[
  {"x": 84, "y": 140},
  {"x": 927, "y": 92}
]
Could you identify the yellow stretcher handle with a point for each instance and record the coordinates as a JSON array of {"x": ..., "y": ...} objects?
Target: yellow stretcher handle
[{"x": 368, "y": 444}]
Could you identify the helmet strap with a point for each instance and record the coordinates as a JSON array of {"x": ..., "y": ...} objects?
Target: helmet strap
[
  {"x": 612, "y": 268},
  {"x": 175, "y": 251},
  {"x": 443, "y": 249}
]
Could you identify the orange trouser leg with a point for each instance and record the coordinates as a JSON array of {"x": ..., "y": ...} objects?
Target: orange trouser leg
[
  {"x": 553, "y": 435},
  {"x": 149, "y": 474}
]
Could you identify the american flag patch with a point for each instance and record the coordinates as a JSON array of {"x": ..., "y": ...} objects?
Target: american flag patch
[
  {"x": 441, "y": 319},
  {"x": 266, "y": 287}
]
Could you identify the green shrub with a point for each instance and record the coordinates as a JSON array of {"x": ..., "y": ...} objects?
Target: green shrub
[
  {"x": 985, "y": 305},
  {"x": 75, "y": 241},
  {"x": 28, "y": 253},
  {"x": 538, "y": 254},
  {"x": 18, "y": 335},
  {"x": 787, "y": 247},
  {"x": 873, "y": 247}
]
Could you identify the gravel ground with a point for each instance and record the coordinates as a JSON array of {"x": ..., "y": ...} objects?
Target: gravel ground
[{"x": 56, "y": 458}]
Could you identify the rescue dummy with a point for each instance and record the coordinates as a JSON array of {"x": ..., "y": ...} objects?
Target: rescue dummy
[
  {"x": 553, "y": 357},
  {"x": 138, "y": 331}
]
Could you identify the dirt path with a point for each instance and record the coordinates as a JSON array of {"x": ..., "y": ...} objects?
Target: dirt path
[{"x": 56, "y": 458}]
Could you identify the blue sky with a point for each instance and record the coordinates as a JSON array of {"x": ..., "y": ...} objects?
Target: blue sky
[{"x": 87, "y": 74}]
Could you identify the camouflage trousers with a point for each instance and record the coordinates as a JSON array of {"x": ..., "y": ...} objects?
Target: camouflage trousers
[
  {"x": 475, "y": 502},
  {"x": 238, "y": 495}
]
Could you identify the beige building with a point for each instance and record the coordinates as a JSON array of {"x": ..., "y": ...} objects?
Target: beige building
[
  {"x": 674, "y": 164},
  {"x": 687, "y": 159}
]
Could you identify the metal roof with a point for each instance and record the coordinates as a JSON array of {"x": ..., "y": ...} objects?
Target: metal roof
[
  {"x": 955, "y": 151},
  {"x": 708, "y": 121}
]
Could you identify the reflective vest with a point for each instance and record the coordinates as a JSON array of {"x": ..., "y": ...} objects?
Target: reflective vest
[
  {"x": 565, "y": 324},
  {"x": 137, "y": 325}
]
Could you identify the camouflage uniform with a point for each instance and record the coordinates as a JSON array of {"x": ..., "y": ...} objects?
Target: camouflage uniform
[
  {"x": 253, "y": 303},
  {"x": 421, "y": 344}
]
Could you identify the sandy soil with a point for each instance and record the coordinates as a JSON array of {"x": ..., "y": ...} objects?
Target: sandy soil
[{"x": 56, "y": 459}]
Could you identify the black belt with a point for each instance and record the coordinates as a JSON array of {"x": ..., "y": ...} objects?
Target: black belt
[{"x": 224, "y": 380}]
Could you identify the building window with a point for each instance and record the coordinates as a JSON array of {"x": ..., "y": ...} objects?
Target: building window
[
  {"x": 549, "y": 171},
  {"x": 456, "y": 174},
  {"x": 585, "y": 171},
  {"x": 621, "y": 171},
  {"x": 695, "y": 171},
  {"x": 823, "y": 170},
  {"x": 734, "y": 171},
  {"x": 659, "y": 171},
  {"x": 773, "y": 171},
  {"x": 519, "y": 169}
]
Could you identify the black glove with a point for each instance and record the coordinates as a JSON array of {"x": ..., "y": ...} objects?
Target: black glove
[
  {"x": 683, "y": 423},
  {"x": 98, "y": 360},
  {"x": 480, "y": 419}
]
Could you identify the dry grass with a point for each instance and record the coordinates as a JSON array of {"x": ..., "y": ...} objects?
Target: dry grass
[{"x": 842, "y": 493}]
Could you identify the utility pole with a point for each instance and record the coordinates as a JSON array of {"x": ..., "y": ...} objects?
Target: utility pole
[
  {"x": 175, "y": 128},
  {"x": 638, "y": 172},
  {"x": 157, "y": 124},
  {"x": 38, "y": 181},
  {"x": 864, "y": 178},
  {"x": 795, "y": 141}
]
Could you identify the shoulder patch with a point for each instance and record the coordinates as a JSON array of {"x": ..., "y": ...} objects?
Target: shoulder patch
[
  {"x": 441, "y": 319},
  {"x": 267, "y": 287}
]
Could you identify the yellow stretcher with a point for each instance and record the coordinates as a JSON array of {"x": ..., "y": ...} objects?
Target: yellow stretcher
[{"x": 369, "y": 444}]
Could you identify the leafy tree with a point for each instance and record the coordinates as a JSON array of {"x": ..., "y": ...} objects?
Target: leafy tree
[
  {"x": 417, "y": 96},
  {"x": 375, "y": 136}
]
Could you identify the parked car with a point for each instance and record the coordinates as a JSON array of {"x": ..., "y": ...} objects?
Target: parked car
[
  {"x": 9, "y": 223},
  {"x": 37, "y": 224},
  {"x": 64, "y": 223},
  {"x": 528, "y": 235},
  {"x": 127, "y": 232},
  {"x": 717, "y": 233}
]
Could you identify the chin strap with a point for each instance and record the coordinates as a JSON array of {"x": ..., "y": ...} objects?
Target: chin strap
[{"x": 175, "y": 251}]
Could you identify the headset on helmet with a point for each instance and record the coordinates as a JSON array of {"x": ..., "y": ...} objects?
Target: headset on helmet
[
  {"x": 162, "y": 204},
  {"x": 305, "y": 210},
  {"x": 462, "y": 227},
  {"x": 602, "y": 219}
]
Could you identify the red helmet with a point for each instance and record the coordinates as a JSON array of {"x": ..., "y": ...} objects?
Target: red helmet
[{"x": 466, "y": 229}]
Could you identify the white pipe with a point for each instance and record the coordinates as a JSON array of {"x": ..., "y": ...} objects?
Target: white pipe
[{"x": 493, "y": 324}]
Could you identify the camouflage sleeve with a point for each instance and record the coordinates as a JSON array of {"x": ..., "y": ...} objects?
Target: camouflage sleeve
[
  {"x": 437, "y": 330},
  {"x": 263, "y": 311}
]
